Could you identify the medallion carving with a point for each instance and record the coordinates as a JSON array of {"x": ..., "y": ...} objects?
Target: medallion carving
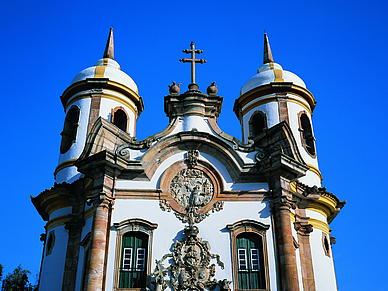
[{"x": 191, "y": 187}]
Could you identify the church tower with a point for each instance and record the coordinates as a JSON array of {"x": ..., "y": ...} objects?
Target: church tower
[
  {"x": 99, "y": 91},
  {"x": 191, "y": 207}
]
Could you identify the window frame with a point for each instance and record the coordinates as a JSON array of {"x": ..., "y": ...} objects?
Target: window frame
[
  {"x": 302, "y": 135},
  {"x": 112, "y": 117},
  {"x": 135, "y": 225},
  {"x": 66, "y": 144},
  {"x": 257, "y": 114},
  {"x": 256, "y": 228}
]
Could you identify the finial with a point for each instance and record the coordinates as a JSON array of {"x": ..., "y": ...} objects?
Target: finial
[
  {"x": 212, "y": 89},
  {"x": 109, "y": 49},
  {"x": 174, "y": 88},
  {"x": 267, "y": 51}
]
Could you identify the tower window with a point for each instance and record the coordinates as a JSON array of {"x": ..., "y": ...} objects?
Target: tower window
[
  {"x": 120, "y": 118},
  {"x": 257, "y": 123},
  {"x": 69, "y": 133},
  {"x": 250, "y": 262},
  {"x": 325, "y": 244},
  {"x": 308, "y": 140},
  {"x": 50, "y": 243}
]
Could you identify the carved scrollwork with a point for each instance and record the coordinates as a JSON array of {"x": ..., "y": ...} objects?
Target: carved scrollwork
[
  {"x": 192, "y": 158},
  {"x": 190, "y": 268},
  {"x": 165, "y": 205}
]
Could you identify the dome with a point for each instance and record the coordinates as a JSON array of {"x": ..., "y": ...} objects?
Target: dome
[
  {"x": 107, "y": 68},
  {"x": 268, "y": 73}
]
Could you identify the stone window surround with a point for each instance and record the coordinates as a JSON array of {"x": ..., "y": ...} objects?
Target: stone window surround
[
  {"x": 263, "y": 115},
  {"x": 301, "y": 133},
  {"x": 133, "y": 225},
  {"x": 114, "y": 110},
  {"x": 328, "y": 249},
  {"x": 78, "y": 109},
  {"x": 49, "y": 248},
  {"x": 257, "y": 228}
]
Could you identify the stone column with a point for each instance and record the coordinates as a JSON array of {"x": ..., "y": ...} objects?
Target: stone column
[
  {"x": 103, "y": 205},
  {"x": 281, "y": 203},
  {"x": 287, "y": 258},
  {"x": 303, "y": 229}
]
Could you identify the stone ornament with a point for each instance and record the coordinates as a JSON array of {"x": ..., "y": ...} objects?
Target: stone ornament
[
  {"x": 191, "y": 187},
  {"x": 190, "y": 268}
]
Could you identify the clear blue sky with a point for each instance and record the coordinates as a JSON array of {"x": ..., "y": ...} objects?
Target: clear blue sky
[{"x": 339, "y": 48}]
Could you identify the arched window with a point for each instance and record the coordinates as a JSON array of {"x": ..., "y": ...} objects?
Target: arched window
[
  {"x": 50, "y": 242},
  {"x": 133, "y": 254},
  {"x": 257, "y": 123},
  {"x": 69, "y": 133},
  {"x": 308, "y": 140},
  {"x": 250, "y": 261},
  {"x": 120, "y": 118}
]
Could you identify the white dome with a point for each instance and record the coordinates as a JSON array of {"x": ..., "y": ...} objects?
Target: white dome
[
  {"x": 271, "y": 72},
  {"x": 107, "y": 68}
]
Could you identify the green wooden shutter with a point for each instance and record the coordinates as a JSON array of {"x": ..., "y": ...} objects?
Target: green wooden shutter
[
  {"x": 133, "y": 277},
  {"x": 251, "y": 272}
]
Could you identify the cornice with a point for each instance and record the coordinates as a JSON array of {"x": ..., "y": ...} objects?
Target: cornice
[
  {"x": 276, "y": 87},
  {"x": 96, "y": 85}
]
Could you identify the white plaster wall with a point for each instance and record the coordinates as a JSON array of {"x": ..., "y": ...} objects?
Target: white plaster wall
[
  {"x": 272, "y": 111},
  {"x": 53, "y": 264},
  {"x": 70, "y": 174},
  {"x": 212, "y": 229},
  {"x": 323, "y": 265},
  {"x": 293, "y": 111},
  {"x": 107, "y": 105}
]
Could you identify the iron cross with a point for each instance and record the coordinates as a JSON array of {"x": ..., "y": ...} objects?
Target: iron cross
[{"x": 193, "y": 51}]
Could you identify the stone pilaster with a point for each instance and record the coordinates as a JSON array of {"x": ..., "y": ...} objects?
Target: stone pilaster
[
  {"x": 75, "y": 195},
  {"x": 103, "y": 205},
  {"x": 303, "y": 229},
  {"x": 280, "y": 208}
]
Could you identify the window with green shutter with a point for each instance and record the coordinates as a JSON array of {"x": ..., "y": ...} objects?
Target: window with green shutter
[
  {"x": 133, "y": 260},
  {"x": 250, "y": 261}
]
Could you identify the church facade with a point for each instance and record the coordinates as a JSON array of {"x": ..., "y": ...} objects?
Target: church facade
[{"x": 191, "y": 207}]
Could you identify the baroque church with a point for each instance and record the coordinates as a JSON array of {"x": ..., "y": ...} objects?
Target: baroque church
[{"x": 190, "y": 208}]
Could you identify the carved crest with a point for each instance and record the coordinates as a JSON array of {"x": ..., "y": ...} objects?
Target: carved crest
[
  {"x": 190, "y": 268},
  {"x": 191, "y": 187}
]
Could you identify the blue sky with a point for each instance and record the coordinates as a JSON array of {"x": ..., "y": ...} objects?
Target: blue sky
[{"x": 337, "y": 47}]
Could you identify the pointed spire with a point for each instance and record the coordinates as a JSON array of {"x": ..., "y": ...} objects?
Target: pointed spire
[
  {"x": 109, "y": 49},
  {"x": 267, "y": 51}
]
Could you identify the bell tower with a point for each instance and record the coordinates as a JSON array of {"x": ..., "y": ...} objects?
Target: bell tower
[
  {"x": 275, "y": 95},
  {"x": 99, "y": 91}
]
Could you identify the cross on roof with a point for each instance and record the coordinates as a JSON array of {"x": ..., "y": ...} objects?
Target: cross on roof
[{"x": 193, "y": 60}]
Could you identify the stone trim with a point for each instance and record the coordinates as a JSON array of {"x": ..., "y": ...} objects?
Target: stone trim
[
  {"x": 246, "y": 226},
  {"x": 326, "y": 244},
  {"x": 302, "y": 137},
  {"x": 50, "y": 244},
  {"x": 112, "y": 116},
  {"x": 133, "y": 225}
]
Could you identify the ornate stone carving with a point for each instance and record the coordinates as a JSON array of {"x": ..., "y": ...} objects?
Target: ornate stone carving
[
  {"x": 165, "y": 205},
  {"x": 190, "y": 269},
  {"x": 192, "y": 158},
  {"x": 191, "y": 187},
  {"x": 302, "y": 228}
]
